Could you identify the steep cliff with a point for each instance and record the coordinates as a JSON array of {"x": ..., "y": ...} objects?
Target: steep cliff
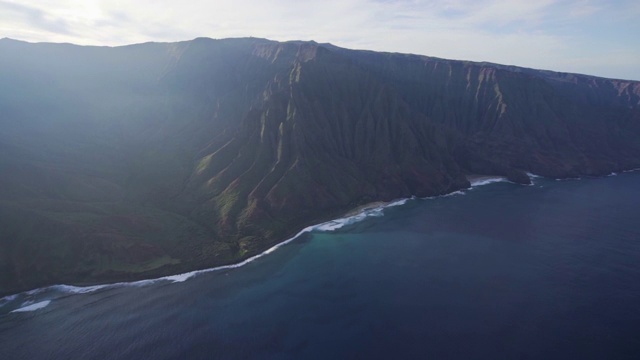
[{"x": 144, "y": 160}]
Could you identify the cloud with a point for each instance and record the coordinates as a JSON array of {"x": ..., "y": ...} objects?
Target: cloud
[{"x": 33, "y": 17}]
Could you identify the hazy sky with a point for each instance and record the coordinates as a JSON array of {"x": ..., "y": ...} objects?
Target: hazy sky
[{"x": 595, "y": 37}]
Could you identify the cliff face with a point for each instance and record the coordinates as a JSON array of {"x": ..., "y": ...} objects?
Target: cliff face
[{"x": 137, "y": 161}]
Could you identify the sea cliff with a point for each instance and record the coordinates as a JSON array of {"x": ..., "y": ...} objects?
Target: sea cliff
[{"x": 159, "y": 158}]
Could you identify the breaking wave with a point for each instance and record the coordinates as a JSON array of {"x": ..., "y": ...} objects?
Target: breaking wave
[
  {"x": 487, "y": 181},
  {"x": 7, "y": 299},
  {"x": 32, "y": 307},
  {"x": 363, "y": 214}
]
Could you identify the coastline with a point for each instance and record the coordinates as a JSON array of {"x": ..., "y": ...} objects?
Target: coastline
[
  {"x": 481, "y": 179},
  {"x": 478, "y": 180},
  {"x": 357, "y": 214},
  {"x": 369, "y": 206}
]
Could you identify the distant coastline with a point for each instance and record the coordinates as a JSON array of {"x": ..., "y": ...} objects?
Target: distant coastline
[{"x": 357, "y": 214}]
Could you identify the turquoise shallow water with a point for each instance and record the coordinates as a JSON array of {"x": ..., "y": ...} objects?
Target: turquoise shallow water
[{"x": 550, "y": 271}]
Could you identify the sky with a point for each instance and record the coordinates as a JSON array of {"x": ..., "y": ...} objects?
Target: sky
[{"x": 595, "y": 37}]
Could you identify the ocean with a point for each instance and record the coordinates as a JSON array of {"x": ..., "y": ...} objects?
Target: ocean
[{"x": 500, "y": 271}]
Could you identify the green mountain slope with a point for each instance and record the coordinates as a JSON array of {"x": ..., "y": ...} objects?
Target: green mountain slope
[{"x": 146, "y": 160}]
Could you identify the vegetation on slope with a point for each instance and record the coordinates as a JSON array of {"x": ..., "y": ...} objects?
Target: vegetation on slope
[{"x": 146, "y": 160}]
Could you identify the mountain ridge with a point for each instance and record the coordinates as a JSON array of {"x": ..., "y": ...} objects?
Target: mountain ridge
[
  {"x": 516, "y": 68},
  {"x": 145, "y": 160}
]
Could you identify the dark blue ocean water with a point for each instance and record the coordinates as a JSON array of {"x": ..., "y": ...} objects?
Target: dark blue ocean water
[{"x": 550, "y": 271}]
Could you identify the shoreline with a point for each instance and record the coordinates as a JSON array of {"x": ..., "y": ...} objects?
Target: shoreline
[
  {"x": 478, "y": 180},
  {"x": 363, "y": 208},
  {"x": 357, "y": 214}
]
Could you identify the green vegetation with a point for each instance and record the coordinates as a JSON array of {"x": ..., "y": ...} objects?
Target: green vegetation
[{"x": 142, "y": 161}]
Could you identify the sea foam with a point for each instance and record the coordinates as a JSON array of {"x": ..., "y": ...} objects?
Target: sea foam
[
  {"x": 77, "y": 289},
  {"x": 340, "y": 223},
  {"x": 377, "y": 211},
  {"x": 33, "y": 307},
  {"x": 487, "y": 181},
  {"x": 7, "y": 299}
]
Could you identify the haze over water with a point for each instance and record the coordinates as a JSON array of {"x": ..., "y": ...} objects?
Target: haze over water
[{"x": 548, "y": 271}]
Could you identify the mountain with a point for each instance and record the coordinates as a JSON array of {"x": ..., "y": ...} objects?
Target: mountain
[{"x": 153, "y": 159}]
